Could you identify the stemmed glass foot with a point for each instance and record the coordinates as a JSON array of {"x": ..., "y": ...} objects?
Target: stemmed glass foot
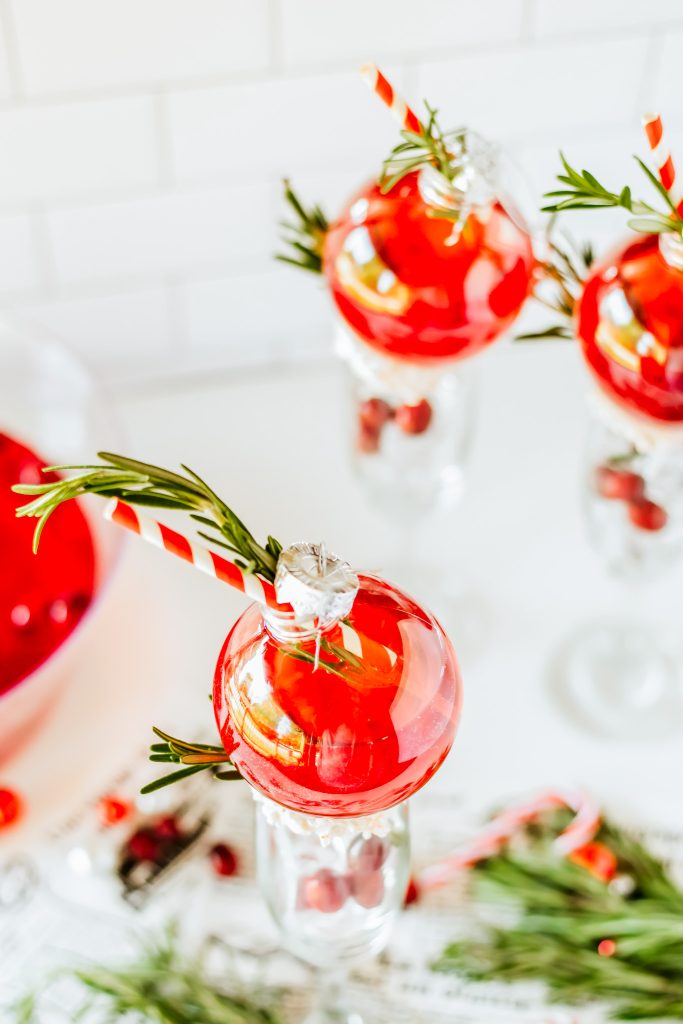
[{"x": 621, "y": 681}]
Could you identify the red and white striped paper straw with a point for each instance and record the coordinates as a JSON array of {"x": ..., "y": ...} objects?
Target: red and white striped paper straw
[
  {"x": 661, "y": 154},
  {"x": 201, "y": 557},
  {"x": 383, "y": 88},
  {"x": 207, "y": 561},
  {"x": 581, "y": 829}
]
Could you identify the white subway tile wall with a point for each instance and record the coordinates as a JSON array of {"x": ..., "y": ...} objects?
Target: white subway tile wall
[{"x": 143, "y": 144}]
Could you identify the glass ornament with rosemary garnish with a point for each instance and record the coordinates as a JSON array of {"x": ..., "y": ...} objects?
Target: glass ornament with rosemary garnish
[
  {"x": 427, "y": 265},
  {"x": 335, "y": 704},
  {"x": 426, "y": 262},
  {"x": 617, "y": 674},
  {"x": 628, "y": 310}
]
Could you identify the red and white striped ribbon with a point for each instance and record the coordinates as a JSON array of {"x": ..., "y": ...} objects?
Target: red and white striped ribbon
[
  {"x": 580, "y": 831},
  {"x": 383, "y": 88},
  {"x": 661, "y": 155},
  {"x": 201, "y": 557}
]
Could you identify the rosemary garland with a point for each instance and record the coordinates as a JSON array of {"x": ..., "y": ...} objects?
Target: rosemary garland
[{"x": 605, "y": 924}]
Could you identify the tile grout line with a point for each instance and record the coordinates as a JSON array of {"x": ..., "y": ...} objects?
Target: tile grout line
[
  {"x": 329, "y": 68},
  {"x": 276, "y": 61},
  {"x": 15, "y": 73},
  {"x": 529, "y": 21}
]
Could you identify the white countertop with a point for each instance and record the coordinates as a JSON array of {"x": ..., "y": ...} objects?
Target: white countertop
[{"x": 272, "y": 442}]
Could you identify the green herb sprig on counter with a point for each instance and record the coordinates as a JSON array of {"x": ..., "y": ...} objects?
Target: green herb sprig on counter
[
  {"x": 588, "y": 938},
  {"x": 161, "y": 985}
]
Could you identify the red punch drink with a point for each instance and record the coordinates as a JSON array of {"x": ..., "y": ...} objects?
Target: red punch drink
[
  {"x": 630, "y": 324},
  {"x": 42, "y": 597},
  {"x": 353, "y": 729},
  {"x": 411, "y": 289}
]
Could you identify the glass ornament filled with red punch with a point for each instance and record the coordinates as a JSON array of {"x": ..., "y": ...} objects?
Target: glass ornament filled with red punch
[
  {"x": 627, "y": 319},
  {"x": 335, "y": 695},
  {"x": 427, "y": 265}
]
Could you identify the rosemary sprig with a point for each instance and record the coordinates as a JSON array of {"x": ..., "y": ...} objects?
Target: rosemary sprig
[
  {"x": 141, "y": 483},
  {"x": 433, "y": 148},
  {"x": 161, "y": 985},
  {"x": 305, "y": 237},
  {"x": 583, "y": 191},
  {"x": 560, "y": 282},
  {"x": 196, "y": 757},
  {"x": 564, "y": 913}
]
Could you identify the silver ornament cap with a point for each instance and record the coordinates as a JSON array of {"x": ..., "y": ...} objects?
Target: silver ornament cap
[{"x": 318, "y": 585}]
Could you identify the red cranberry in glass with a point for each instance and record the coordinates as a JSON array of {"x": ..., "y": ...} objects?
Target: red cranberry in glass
[
  {"x": 647, "y": 515},
  {"x": 223, "y": 860},
  {"x": 373, "y": 413},
  {"x": 368, "y": 440},
  {"x": 367, "y": 888},
  {"x": 619, "y": 484},
  {"x": 414, "y": 419},
  {"x": 367, "y": 855},
  {"x": 324, "y": 891}
]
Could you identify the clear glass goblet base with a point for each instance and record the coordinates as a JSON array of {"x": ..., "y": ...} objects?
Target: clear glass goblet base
[
  {"x": 620, "y": 680},
  {"x": 334, "y": 887}
]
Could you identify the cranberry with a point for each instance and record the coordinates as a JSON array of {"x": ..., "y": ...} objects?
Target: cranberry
[
  {"x": 367, "y": 888},
  {"x": 368, "y": 440},
  {"x": 112, "y": 810},
  {"x": 167, "y": 828},
  {"x": 619, "y": 484},
  {"x": 223, "y": 860},
  {"x": 647, "y": 515},
  {"x": 325, "y": 891},
  {"x": 414, "y": 419},
  {"x": 373, "y": 413},
  {"x": 412, "y": 893},
  {"x": 143, "y": 846},
  {"x": 10, "y": 807},
  {"x": 367, "y": 855}
]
